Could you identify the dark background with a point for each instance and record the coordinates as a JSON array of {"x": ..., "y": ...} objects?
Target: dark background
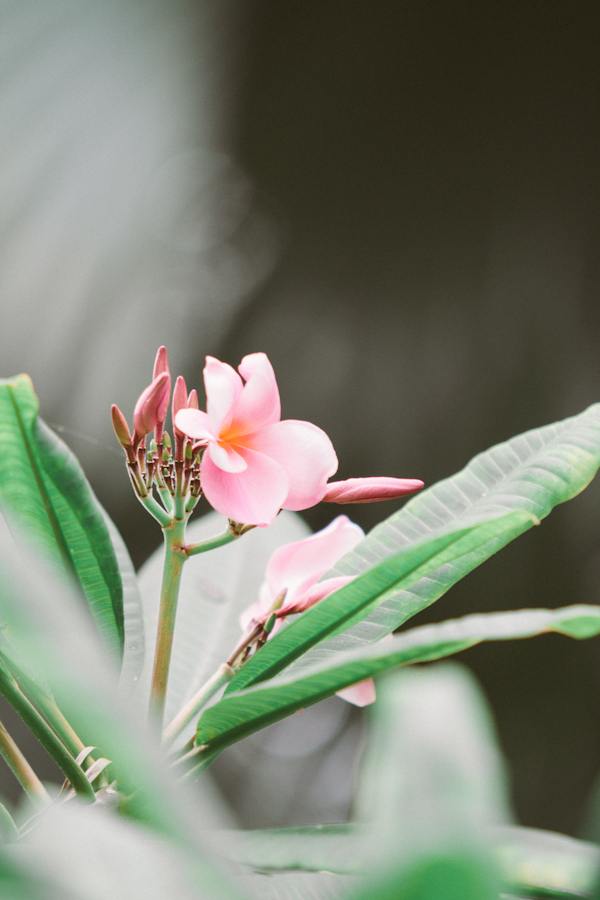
[{"x": 422, "y": 181}]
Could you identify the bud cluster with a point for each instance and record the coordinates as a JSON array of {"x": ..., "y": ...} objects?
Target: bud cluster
[{"x": 173, "y": 467}]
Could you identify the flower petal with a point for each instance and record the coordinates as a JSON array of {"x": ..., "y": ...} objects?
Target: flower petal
[
  {"x": 195, "y": 424},
  {"x": 317, "y": 592},
  {"x": 361, "y": 694},
  {"x": 298, "y": 566},
  {"x": 253, "y": 497},
  {"x": 225, "y": 457},
  {"x": 223, "y": 387},
  {"x": 259, "y": 402},
  {"x": 306, "y": 455}
]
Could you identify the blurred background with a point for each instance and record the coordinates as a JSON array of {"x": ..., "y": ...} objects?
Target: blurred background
[{"x": 398, "y": 202}]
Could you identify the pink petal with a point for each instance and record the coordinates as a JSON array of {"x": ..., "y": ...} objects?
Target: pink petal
[
  {"x": 195, "y": 424},
  {"x": 254, "y": 612},
  {"x": 317, "y": 592},
  {"x": 361, "y": 694},
  {"x": 223, "y": 388},
  {"x": 306, "y": 455},
  {"x": 370, "y": 490},
  {"x": 253, "y": 497},
  {"x": 296, "y": 567},
  {"x": 259, "y": 402},
  {"x": 226, "y": 458}
]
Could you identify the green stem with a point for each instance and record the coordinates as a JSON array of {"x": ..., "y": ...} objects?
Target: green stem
[
  {"x": 47, "y": 738},
  {"x": 222, "y": 676},
  {"x": 191, "y": 503},
  {"x": 21, "y": 769},
  {"x": 166, "y": 498},
  {"x": 155, "y": 509},
  {"x": 175, "y": 556},
  {"x": 212, "y": 543},
  {"x": 179, "y": 499}
]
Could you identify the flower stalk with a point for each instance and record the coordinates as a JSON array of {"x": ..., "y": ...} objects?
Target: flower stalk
[
  {"x": 21, "y": 769},
  {"x": 221, "y": 677},
  {"x": 175, "y": 556}
]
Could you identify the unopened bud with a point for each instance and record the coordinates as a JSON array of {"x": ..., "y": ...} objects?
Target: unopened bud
[
  {"x": 188, "y": 450},
  {"x": 151, "y": 408},
  {"x": 370, "y": 490},
  {"x": 192, "y": 402},
  {"x": 161, "y": 363},
  {"x": 179, "y": 401},
  {"x": 121, "y": 427},
  {"x": 166, "y": 439},
  {"x": 268, "y": 626},
  {"x": 166, "y": 455}
]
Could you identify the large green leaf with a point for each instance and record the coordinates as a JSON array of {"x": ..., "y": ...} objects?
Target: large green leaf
[
  {"x": 47, "y": 499},
  {"x": 216, "y": 588},
  {"x": 367, "y": 591},
  {"x": 240, "y": 714},
  {"x": 532, "y": 472}
]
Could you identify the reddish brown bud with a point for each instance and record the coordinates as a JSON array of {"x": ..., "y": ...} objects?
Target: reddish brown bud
[{"x": 121, "y": 427}]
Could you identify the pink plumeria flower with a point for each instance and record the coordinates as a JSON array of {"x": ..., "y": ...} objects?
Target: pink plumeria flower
[
  {"x": 370, "y": 490},
  {"x": 294, "y": 571},
  {"x": 254, "y": 464}
]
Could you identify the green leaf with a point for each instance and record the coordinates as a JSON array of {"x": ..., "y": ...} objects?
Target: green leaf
[
  {"x": 532, "y": 473},
  {"x": 530, "y": 860},
  {"x": 47, "y": 499},
  {"x": 335, "y": 848},
  {"x": 239, "y": 714},
  {"x": 133, "y": 615},
  {"x": 367, "y": 591},
  {"x": 216, "y": 587},
  {"x": 546, "y": 864},
  {"x": 295, "y": 886}
]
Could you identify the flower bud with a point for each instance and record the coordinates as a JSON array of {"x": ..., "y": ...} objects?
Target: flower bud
[
  {"x": 121, "y": 427},
  {"x": 161, "y": 363},
  {"x": 151, "y": 408},
  {"x": 192, "y": 402},
  {"x": 370, "y": 490},
  {"x": 180, "y": 400}
]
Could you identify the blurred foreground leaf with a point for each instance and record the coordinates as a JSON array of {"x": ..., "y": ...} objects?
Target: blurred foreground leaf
[
  {"x": 58, "y": 645},
  {"x": 47, "y": 499}
]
